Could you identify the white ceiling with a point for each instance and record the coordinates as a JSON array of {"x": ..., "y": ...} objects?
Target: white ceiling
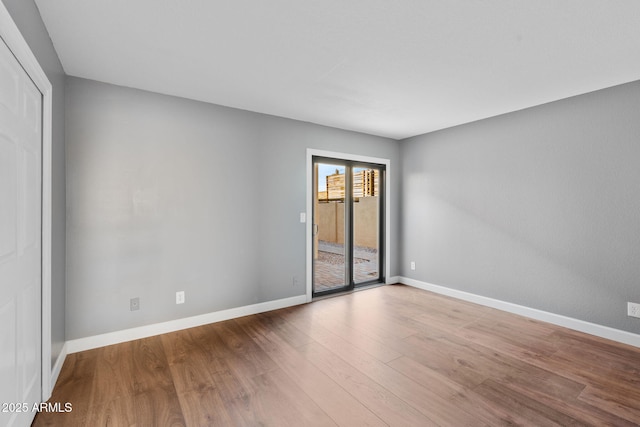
[{"x": 394, "y": 68}]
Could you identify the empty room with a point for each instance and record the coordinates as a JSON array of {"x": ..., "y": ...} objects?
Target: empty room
[{"x": 286, "y": 213}]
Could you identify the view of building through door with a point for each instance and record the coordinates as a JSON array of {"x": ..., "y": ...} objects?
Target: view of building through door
[{"x": 347, "y": 223}]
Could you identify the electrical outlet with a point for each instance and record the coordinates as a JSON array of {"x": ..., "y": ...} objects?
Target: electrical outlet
[
  {"x": 134, "y": 304},
  {"x": 633, "y": 309},
  {"x": 413, "y": 265},
  {"x": 180, "y": 297}
]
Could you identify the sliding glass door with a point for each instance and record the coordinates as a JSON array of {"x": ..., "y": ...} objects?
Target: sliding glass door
[{"x": 347, "y": 224}]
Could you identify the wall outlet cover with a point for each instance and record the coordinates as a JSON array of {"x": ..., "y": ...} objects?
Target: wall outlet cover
[
  {"x": 180, "y": 297},
  {"x": 633, "y": 309},
  {"x": 134, "y": 304}
]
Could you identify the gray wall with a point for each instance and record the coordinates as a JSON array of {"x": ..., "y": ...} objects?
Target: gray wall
[
  {"x": 168, "y": 194},
  {"x": 26, "y": 16},
  {"x": 539, "y": 207}
]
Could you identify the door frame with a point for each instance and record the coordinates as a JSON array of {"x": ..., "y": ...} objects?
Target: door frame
[
  {"x": 311, "y": 153},
  {"x": 11, "y": 35}
]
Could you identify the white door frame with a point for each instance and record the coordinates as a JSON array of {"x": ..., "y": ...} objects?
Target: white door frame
[
  {"x": 11, "y": 35},
  {"x": 387, "y": 208}
]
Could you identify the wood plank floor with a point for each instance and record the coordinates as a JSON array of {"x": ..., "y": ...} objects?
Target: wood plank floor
[{"x": 391, "y": 355}]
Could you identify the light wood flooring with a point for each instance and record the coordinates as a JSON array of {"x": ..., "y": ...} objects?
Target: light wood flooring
[{"x": 391, "y": 355}]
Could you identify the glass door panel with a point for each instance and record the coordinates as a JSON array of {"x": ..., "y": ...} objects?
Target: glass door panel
[
  {"x": 330, "y": 271},
  {"x": 366, "y": 224}
]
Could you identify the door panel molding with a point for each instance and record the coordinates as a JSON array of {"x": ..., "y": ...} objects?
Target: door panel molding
[{"x": 311, "y": 153}]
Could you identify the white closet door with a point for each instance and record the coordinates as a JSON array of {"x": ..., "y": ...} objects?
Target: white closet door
[{"x": 20, "y": 242}]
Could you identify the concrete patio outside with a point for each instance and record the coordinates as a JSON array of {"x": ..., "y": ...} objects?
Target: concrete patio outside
[{"x": 329, "y": 266}]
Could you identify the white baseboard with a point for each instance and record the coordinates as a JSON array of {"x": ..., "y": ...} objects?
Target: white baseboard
[
  {"x": 88, "y": 343},
  {"x": 393, "y": 280},
  {"x": 57, "y": 367},
  {"x": 556, "y": 319}
]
